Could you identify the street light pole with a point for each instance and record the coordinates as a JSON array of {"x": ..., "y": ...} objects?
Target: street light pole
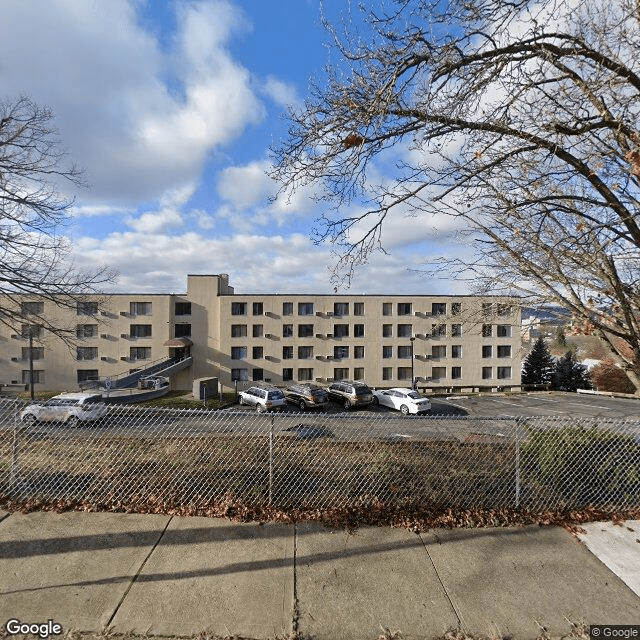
[{"x": 413, "y": 379}]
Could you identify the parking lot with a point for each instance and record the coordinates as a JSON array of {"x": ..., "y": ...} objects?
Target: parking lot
[{"x": 543, "y": 404}]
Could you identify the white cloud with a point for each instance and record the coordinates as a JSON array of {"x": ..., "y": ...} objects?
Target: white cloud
[
  {"x": 113, "y": 90},
  {"x": 281, "y": 92}
]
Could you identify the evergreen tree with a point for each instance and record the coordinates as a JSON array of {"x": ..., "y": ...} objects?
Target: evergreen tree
[
  {"x": 570, "y": 375},
  {"x": 538, "y": 367}
]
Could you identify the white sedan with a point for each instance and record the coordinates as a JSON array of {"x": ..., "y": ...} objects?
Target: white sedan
[{"x": 404, "y": 400}]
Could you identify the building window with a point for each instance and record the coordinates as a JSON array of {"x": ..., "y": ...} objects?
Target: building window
[
  {"x": 487, "y": 330},
  {"x": 341, "y": 308},
  {"x": 404, "y": 351},
  {"x": 38, "y": 376},
  {"x": 504, "y": 351},
  {"x": 340, "y": 330},
  {"x": 140, "y": 330},
  {"x": 287, "y": 308},
  {"x": 456, "y": 373},
  {"x": 287, "y": 374},
  {"x": 504, "y": 373},
  {"x": 31, "y": 331},
  {"x": 387, "y": 373},
  {"x": 387, "y": 351},
  {"x": 238, "y": 330},
  {"x": 88, "y": 308},
  {"x": 139, "y": 353},
  {"x": 405, "y": 330},
  {"x": 86, "y": 353},
  {"x": 287, "y": 331},
  {"x": 387, "y": 308},
  {"x": 358, "y": 373},
  {"x": 257, "y": 308},
  {"x": 456, "y": 351},
  {"x": 305, "y": 308},
  {"x": 86, "y": 331},
  {"x": 456, "y": 330},
  {"x": 404, "y": 308},
  {"x": 85, "y": 375},
  {"x": 182, "y": 330},
  {"x": 37, "y": 353},
  {"x": 305, "y": 374},
  {"x": 287, "y": 353},
  {"x": 135, "y": 308},
  {"x": 358, "y": 308},
  {"x": 358, "y": 352},
  {"x": 456, "y": 308},
  {"x": 257, "y": 330},
  {"x": 182, "y": 309},
  {"x": 387, "y": 331},
  {"x": 305, "y": 353},
  {"x": 487, "y": 309},
  {"x": 404, "y": 373},
  {"x": 238, "y": 353},
  {"x": 305, "y": 330},
  {"x": 439, "y": 351},
  {"x": 32, "y": 308},
  {"x": 239, "y": 375},
  {"x": 340, "y": 352},
  {"x": 503, "y": 330},
  {"x": 438, "y": 330},
  {"x": 438, "y": 308},
  {"x": 504, "y": 309},
  {"x": 238, "y": 308},
  {"x": 487, "y": 351},
  {"x": 257, "y": 374},
  {"x": 340, "y": 373},
  {"x": 358, "y": 331},
  {"x": 438, "y": 373},
  {"x": 487, "y": 373}
]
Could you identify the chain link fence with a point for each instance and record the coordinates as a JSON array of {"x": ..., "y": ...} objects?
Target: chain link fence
[{"x": 312, "y": 460}]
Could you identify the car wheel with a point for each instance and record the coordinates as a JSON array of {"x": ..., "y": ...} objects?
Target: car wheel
[
  {"x": 240, "y": 401},
  {"x": 375, "y": 402},
  {"x": 29, "y": 419},
  {"x": 404, "y": 410},
  {"x": 302, "y": 405},
  {"x": 347, "y": 405},
  {"x": 260, "y": 408},
  {"x": 71, "y": 421}
]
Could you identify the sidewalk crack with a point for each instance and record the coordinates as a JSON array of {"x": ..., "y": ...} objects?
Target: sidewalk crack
[
  {"x": 444, "y": 589},
  {"x": 138, "y": 572}
]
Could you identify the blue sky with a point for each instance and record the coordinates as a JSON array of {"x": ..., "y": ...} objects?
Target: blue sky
[{"x": 171, "y": 106}]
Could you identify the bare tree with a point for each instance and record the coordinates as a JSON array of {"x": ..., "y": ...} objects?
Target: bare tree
[
  {"x": 519, "y": 118},
  {"x": 34, "y": 256}
]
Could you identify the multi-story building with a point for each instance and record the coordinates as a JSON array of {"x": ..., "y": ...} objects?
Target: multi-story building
[{"x": 444, "y": 342}]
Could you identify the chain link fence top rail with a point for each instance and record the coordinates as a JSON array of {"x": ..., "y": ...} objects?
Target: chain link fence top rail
[{"x": 313, "y": 460}]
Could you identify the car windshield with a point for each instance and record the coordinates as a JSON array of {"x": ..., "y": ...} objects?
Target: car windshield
[
  {"x": 275, "y": 395},
  {"x": 362, "y": 391}
]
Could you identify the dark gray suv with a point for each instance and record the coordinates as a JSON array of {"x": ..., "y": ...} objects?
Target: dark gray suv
[
  {"x": 350, "y": 394},
  {"x": 306, "y": 396}
]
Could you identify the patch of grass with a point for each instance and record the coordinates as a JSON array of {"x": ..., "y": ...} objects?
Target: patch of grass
[{"x": 180, "y": 400}]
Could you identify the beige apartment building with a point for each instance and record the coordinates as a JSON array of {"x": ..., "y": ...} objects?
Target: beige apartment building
[{"x": 454, "y": 343}]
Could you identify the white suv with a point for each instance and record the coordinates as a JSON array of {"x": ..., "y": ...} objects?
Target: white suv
[
  {"x": 68, "y": 408},
  {"x": 262, "y": 399}
]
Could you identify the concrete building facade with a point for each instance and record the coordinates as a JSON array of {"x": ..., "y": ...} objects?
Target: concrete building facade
[{"x": 456, "y": 343}]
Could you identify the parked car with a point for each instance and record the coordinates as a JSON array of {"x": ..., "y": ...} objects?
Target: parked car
[
  {"x": 263, "y": 399},
  {"x": 68, "y": 408},
  {"x": 350, "y": 394},
  {"x": 306, "y": 396},
  {"x": 404, "y": 400}
]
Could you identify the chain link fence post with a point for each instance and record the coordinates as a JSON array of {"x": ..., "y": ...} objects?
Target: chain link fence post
[
  {"x": 15, "y": 450},
  {"x": 271, "y": 460},
  {"x": 517, "y": 424}
]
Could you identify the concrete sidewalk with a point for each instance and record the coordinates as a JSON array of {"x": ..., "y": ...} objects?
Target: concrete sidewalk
[{"x": 179, "y": 576}]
